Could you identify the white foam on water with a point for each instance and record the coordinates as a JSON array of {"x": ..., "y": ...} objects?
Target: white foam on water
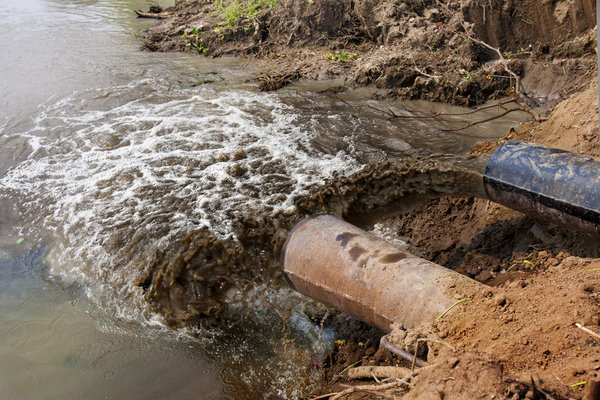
[{"x": 147, "y": 163}]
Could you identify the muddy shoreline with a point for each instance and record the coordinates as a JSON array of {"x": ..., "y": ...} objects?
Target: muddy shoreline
[
  {"x": 519, "y": 339},
  {"x": 415, "y": 49}
]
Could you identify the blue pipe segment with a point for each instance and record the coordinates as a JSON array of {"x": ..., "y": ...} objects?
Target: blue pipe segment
[{"x": 546, "y": 183}]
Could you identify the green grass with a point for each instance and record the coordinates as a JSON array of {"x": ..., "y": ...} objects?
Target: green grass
[
  {"x": 342, "y": 56},
  {"x": 234, "y": 12}
]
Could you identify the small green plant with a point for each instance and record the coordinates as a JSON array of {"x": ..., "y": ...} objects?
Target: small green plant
[
  {"x": 342, "y": 56},
  {"x": 438, "y": 51},
  {"x": 195, "y": 42},
  {"x": 469, "y": 76}
]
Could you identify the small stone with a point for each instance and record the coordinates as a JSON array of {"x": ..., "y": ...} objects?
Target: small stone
[
  {"x": 223, "y": 157},
  {"x": 588, "y": 320},
  {"x": 500, "y": 300},
  {"x": 239, "y": 155},
  {"x": 237, "y": 170},
  {"x": 483, "y": 276},
  {"x": 570, "y": 262},
  {"x": 514, "y": 284},
  {"x": 552, "y": 262},
  {"x": 453, "y": 362}
]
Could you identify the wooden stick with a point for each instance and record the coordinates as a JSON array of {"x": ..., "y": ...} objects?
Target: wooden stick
[
  {"x": 393, "y": 115},
  {"x": 353, "y": 389},
  {"x": 143, "y": 14},
  {"x": 425, "y": 74},
  {"x": 586, "y": 330},
  {"x": 482, "y": 121},
  {"x": 502, "y": 60},
  {"x": 377, "y": 372},
  {"x": 365, "y": 388}
]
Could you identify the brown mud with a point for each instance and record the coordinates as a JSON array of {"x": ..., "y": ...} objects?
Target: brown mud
[
  {"x": 418, "y": 49},
  {"x": 189, "y": 283},
  {"x": 518, "y": 340}
]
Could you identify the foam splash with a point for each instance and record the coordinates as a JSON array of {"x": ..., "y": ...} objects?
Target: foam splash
[{"x": 117, "y": 175}]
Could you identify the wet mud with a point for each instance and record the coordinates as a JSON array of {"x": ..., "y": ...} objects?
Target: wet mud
[
  {"x": 192, "y": 283},
  {"x": 415, "y": 49}
]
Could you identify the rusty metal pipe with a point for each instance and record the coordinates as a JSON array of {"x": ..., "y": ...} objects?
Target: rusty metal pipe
[{"x": 362, "y": 275}]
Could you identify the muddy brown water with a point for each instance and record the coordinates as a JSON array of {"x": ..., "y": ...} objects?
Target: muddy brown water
[{"x": 141, "y": 192}]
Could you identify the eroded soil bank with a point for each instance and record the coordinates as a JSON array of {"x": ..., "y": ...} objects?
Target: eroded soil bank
[
  {"x": 519, "y": 339},
  {"x": 543, "y": 281},
  {"x": 418, "y": 49}
]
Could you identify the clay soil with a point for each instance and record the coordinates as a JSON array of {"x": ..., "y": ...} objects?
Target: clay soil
[{"x": 518, "y": 339}]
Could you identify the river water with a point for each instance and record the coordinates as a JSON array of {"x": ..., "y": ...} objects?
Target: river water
[{"x": 109, "y": 156}]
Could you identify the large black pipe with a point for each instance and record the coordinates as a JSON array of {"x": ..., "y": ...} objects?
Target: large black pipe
[{"x": 547, "y": 183}]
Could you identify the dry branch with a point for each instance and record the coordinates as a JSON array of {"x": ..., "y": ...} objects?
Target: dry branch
[
  {"x": 377, "y": 372},
  {"x": 481, "y": 121},
  {"x": 588, "y": 331},
  {"x": 501, "y": 60},
  {"x": 362, "y": 388},
  {"x": 143, "y": 14},
  {"x": 436, "y": 114}
]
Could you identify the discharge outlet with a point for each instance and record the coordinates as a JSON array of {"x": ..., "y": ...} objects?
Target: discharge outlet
[{"x": 362, "y": 275}]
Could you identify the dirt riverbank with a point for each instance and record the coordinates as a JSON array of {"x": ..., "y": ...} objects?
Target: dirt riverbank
[
  {"x": 519, "y": 339},
  {"x": 418, "y": 49}
]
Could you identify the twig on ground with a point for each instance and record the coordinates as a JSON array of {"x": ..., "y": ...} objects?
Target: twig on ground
[
  {"x": 501, "y": 59},
  {"x": 437, "y": 114},
  {"x": 450, "y": 308},
  {"x": 143, "y": 14},
  {"x": 362, "y": 388},
  {"x": 375, "y": 378},
  {"x": 414, "y": 360},
  {"x": 378, "y": 372},
  {"x": 399, "y": 352},
  {"x": 426, "y": 74},
  {"x": 481, "y": 121},
  {"x": 588, "y": 331}
]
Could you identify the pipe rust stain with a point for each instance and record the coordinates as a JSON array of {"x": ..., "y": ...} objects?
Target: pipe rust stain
[
  {"x": 392, "y": 258},
  {"x": 355, "y": 252},
  {"x": 345, "y": 237}
]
